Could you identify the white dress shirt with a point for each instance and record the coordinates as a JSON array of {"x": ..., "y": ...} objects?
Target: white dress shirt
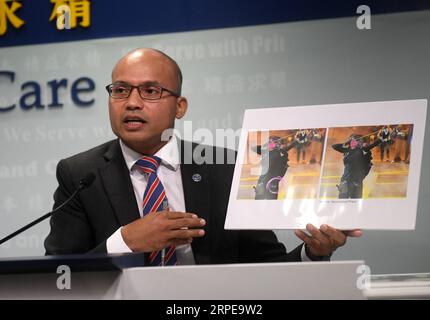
[{"x": 169, "y": 173}]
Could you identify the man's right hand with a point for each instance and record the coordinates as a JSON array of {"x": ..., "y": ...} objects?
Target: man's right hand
[{"x": 158, "y": 230}]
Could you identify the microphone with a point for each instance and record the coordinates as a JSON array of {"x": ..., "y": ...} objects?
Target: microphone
[{"x": 83, "y": 183}]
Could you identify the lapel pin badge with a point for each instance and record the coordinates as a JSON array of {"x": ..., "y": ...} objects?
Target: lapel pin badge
[{"x": 196, "y": 177}]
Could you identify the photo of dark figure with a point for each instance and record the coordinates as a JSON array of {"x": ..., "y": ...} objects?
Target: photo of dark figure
[
  {"x": 270, "y": 170},
  {"x": 318, "y": 138},
  {"x": 366, "y": 162},
  {"x": 301, "y": 138},
  {"x": 357, "y": 160},
  {"x": 398, "y": 138},
  {"x": 408, "y": 145},
  {"x": 385, "y": 135},
  {"x": 274, "y": 165}
]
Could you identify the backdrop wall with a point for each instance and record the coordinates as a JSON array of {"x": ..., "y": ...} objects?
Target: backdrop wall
[{"x": 226, "y": 71}]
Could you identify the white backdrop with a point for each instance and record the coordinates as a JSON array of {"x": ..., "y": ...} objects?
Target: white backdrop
[{"x": 226, "y": 71}]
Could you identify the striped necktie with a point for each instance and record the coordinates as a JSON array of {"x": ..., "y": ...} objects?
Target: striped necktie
[{"x": 154, "y": 199}]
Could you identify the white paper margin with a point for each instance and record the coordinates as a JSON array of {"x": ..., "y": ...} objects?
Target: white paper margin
[{"x": 389, "y": 214}]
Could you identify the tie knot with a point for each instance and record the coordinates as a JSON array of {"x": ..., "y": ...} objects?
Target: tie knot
[{"x": 149, "y": 164}]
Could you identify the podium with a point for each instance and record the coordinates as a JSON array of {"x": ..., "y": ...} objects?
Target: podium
[
  {"x": 94, "y": 276},
  {"x": 124, "y": 277},
  {"x": 264, "y": 281}
]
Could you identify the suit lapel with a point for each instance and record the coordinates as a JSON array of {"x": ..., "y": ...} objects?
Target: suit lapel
[
  {"x": 118, "y": 186},
  {"x": 196, "y": 184}
]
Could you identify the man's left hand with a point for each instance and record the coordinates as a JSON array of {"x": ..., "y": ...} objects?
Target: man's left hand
[{"x": 324, "y": 241}]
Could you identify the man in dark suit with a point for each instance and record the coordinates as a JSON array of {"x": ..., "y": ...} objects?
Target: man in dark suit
[
  {"x": 274, "y": 165},
  {"x": 145, "y": 99}
]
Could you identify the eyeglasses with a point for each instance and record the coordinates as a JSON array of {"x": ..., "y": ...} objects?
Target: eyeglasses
[{"x": 146, "y": 92}]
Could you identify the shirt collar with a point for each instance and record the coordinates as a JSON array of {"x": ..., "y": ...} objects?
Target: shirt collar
[{"x": 168, "y": 154}]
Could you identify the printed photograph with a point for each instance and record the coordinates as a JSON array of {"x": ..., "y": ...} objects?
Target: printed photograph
[
  {"x": 320, "y": 164},
  {"x": 367, "y": 162},
  {"x": 282, "y": 164}
]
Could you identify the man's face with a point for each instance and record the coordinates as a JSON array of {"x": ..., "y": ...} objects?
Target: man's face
[
  {"x": 137, "y": 122},
  {"x": 353, "y": 144}
]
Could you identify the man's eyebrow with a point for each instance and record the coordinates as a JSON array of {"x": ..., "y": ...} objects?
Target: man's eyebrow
[
  {"x": 120, "y": 82},
  {"x": 146, "y": 83},
  {"x": 150, "y": 83}
]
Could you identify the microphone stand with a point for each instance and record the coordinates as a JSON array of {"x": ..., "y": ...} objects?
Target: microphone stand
[{"x": 83, "y": 184}]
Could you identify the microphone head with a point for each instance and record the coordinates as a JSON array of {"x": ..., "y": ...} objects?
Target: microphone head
[{"x": 87, "y": 180}]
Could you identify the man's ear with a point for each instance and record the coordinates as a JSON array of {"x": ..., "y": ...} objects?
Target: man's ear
[{"x": 181, "y": 107}]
